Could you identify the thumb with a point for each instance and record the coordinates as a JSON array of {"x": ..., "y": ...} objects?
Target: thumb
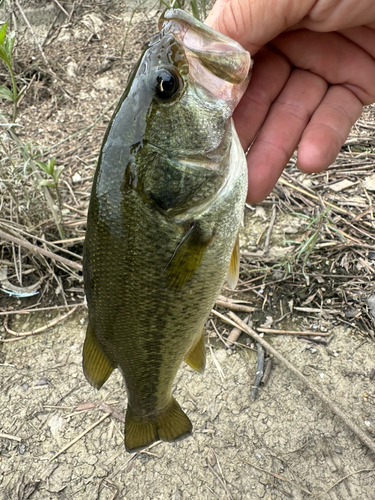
[{"x": 253, "y": 23}]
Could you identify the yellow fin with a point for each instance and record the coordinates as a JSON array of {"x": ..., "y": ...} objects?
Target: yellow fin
[
  {"x": 196, "y": 357},
  {"x": 96, "y": 366},
  {"x": 234, "y": 266},
  {"x": 172, "y": 425},
  {"x": 187, "y": 257}
]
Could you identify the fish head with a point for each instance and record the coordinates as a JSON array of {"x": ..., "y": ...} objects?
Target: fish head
[
  {"x": 172, "y": 127},
  {"x": 195, "y": 78}
]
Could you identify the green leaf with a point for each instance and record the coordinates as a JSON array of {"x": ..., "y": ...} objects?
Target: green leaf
[
  {"x": 52, "y": 163},
  {"x": 9, "y": 42},
  {"x": 20, "y": 94},
  {"x": 44, "y": 182},
  {"x": 57, "y": 173},
  {"x": 6, "y": 93},
  {"x": 4, "y": 56},
  {"x": 308, "y": 247},
  {"x": 3, "y": 30},
  {"x": 44, "y": 166},
  {"x": 195, "y": 9}
]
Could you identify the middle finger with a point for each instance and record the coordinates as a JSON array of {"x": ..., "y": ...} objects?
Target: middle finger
[{"x": 282, "y": 130}]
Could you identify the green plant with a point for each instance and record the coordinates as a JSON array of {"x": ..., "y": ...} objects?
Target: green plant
[
  {"x": 6, "y": 50},
  {"x": 53, "y": 173},
  {"x": 198, "y": 7},
  {"x": 308, "y": 244}
]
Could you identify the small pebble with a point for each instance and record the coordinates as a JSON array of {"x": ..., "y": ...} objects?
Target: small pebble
[{"x": 42, "y": 381}]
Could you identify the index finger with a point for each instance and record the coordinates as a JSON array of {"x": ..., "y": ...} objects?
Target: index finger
[{"x": 253, "y": 23}]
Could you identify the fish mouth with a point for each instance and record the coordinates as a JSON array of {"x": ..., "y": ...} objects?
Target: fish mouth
[{"x": 216, "y": 62}]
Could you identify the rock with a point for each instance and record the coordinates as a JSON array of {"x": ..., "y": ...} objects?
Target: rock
[
  {"x": 56, "y": 424},
  {"x": 71, "y": 69},
  {"x": 369, "y": 183},
  {"x": 105, "y": 83},
  {"x": 221, "y": 355}
]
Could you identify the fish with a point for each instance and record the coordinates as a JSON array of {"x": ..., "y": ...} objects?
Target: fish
[{"x": 162, "y": 230}]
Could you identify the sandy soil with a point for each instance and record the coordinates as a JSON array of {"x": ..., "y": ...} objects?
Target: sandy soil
[{"x": 287, "y": 431}]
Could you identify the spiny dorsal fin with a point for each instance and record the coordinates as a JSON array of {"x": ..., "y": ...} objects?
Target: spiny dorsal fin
[
  {"x": 96, "y": 366},
  {"x": 171, "y": 425},
  {"x": 196, "y": 357},
  {"x": 187, "y": 257},
  {"x": 234, "y": 266}
]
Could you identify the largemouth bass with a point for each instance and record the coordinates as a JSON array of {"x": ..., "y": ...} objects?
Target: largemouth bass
[{"x": 166, "y": 204}]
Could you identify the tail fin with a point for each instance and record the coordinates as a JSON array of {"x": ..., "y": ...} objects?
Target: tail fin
[{"x": 172, "y": 425}]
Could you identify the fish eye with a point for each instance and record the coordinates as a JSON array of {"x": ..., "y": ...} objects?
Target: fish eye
[{"x": 167, "y": 84}]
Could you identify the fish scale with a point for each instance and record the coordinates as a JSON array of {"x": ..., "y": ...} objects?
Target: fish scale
[{"x": 166, "y": 204}]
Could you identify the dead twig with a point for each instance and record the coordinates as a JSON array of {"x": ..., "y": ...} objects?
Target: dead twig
[
  {"x": 303, "y": 191},
  {"x": 61, "y": 8},
  {"x": 233, "y": 336},
  {"x": 269, "y": 230},
  {"x": 105, "y": 407},
  {"x": 234, "y": 307},
  {"x": 40, "y": 250},
  {"x": 222, "y": 481},
  {"x": 343, "y": 479},
  {"x": 292, "y": 332},
  {"x": 365, "y": 438},
  {"x": 39, "y": 309},
  {"x": 282, "y": 479},
  {"x": 9, "y": 436},
  {"x": 267, "y": 370},
  {"x": 38, "y": 330},
  {"x": 33, "y": 35},
  {"x": 259, "y": 373},
  {"x": 92, "y": 426}
]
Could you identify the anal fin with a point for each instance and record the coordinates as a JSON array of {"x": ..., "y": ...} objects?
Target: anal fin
[
  {"x": 196, "y": 357},
  {"x": 187, "y": 257},
  {"x": 234, "y": 266},
  {"x": 96, "y": 365},
  {"x": 171, "y": 425}
]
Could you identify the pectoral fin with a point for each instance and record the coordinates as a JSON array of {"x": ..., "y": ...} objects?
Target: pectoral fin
[
  {"x": 196, "y": 357},
  {"x": 96, "y": 365},
  {"x": 187, "y": 257},
  {"x": 234, "y": 266}
]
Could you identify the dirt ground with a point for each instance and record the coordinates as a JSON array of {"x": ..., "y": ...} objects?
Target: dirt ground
[
  {"x": 286, "y": 444},
  {"x": 287, "y": 431}
]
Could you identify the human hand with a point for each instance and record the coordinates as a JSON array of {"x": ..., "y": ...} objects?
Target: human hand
[{"x": 314, "y": 71}]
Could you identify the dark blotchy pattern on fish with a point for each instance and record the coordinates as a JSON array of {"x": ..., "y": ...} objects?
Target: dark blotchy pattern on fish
[{"x": 165, "y": 208}]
